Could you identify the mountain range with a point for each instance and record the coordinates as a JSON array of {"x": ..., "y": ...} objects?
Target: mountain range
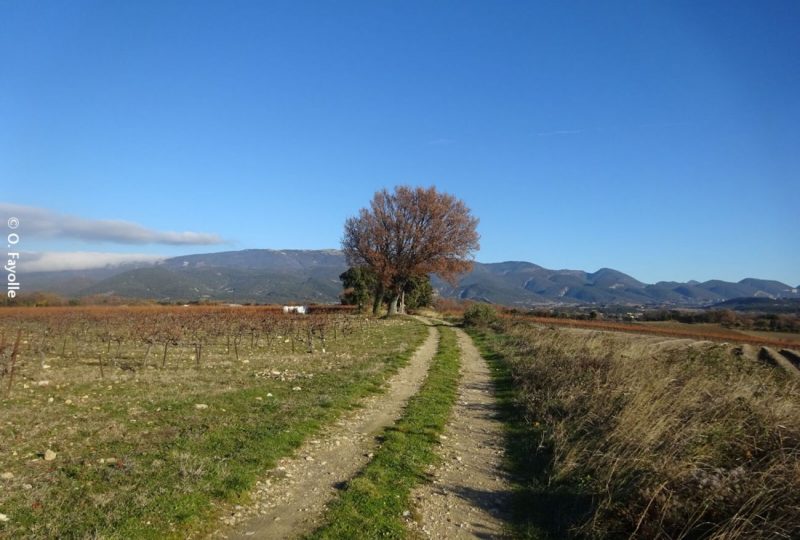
[{"x": 280, "y": 276}]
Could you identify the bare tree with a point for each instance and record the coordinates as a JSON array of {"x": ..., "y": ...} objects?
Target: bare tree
[{"x": 409, "y": 233}]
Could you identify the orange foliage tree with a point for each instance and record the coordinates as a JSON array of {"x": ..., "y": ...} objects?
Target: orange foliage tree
[{"x": 409, "y": 233}]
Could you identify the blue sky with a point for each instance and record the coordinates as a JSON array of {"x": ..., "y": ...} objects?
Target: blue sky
[{"x": 657, "y": 138}]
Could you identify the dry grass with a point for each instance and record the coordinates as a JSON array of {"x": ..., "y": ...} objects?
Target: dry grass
[{"x": 664, "y": 438}]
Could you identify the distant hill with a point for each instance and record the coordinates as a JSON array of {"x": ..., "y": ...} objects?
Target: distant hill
[
  {"x": 265, "y": 275},
  {"x": 762, "y": 305},
  {"x": 287, "y": 260},
  {"x": 254, "y": 275},
  {"x": 524, "y": 283},
  {"x": 73, "y": 282}
]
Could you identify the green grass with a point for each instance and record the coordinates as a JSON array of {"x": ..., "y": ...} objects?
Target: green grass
[
  {"x": 372, "y": 506},
  {"x": 173, "y": 465}
]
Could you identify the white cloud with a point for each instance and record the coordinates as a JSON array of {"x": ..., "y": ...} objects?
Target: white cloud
[
  {"x": 49, "y": 261},
  {"x": 43, "y": 223}
]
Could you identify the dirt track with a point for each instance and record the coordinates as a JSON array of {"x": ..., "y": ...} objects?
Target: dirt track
[
  {"x": 469, "y": 494},
  {"x": 290, "y": 500}
]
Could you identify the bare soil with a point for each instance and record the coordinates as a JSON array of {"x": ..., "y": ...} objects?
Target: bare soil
[
  {"x": 291, "y": 499},
  {"x": 469, "y": 494}
]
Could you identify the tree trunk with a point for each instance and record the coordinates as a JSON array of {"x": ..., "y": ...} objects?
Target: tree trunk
[
  {"x": 376, "y": 304},
  {"x": 402, "y": 308},
  {"x": 393, "y": 304}
]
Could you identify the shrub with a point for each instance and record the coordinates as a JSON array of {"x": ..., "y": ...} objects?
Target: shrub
[{"x": 480, "y": 315}]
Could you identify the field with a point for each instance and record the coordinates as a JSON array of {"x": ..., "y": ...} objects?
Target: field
[
  {"x": 712, "y": 332},
  {"x": 144, "y": 422},
  {"x": 619, "y": 435},
  {"x": 200, "y": 422}
]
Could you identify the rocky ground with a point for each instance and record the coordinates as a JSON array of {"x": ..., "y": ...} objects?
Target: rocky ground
[
  {"x": 469, "y": 491},
  {"x": 467, "y": 496},
  {"x": 290, "y": 500}
]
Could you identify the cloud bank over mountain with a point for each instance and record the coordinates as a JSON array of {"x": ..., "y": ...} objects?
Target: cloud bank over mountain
[
  {"x": 81, "y": 260},
  {"x": 44, "y": 223}
]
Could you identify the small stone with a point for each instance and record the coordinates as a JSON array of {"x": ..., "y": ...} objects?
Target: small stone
[
  {"x": 50, "y": 400},
  {"x": 269, "y": 394},
  {"x": 45, "y": 366},
  {"x": 296, "y": 388},
  {"x": 259, "y": 398},
  {"x": 309, "y": 458},
  {"x": 200, "y": 406},
  {"x": 43, "y": 383},
  {"x": 406, "y": 513},
  {"x": 7, "y": 475},
  {"x": 111, "y": 461},
  {"x": 3, "y": 518},
  {"x": 49, "y": 455},
  {"x": 68, "y": 402}
]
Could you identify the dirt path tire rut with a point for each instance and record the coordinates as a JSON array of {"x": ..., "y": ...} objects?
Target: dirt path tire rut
[
  {"x": 291, "y": 499},
  {"x": 469, "y": 494}
]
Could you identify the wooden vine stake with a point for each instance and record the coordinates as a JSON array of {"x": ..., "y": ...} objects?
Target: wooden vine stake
[{"x": 14, "y": 353}]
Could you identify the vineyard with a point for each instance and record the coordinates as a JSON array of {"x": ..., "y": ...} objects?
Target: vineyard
[
  {"x": 141, "y": 421},
  {"x": 138, "y": 338}
]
